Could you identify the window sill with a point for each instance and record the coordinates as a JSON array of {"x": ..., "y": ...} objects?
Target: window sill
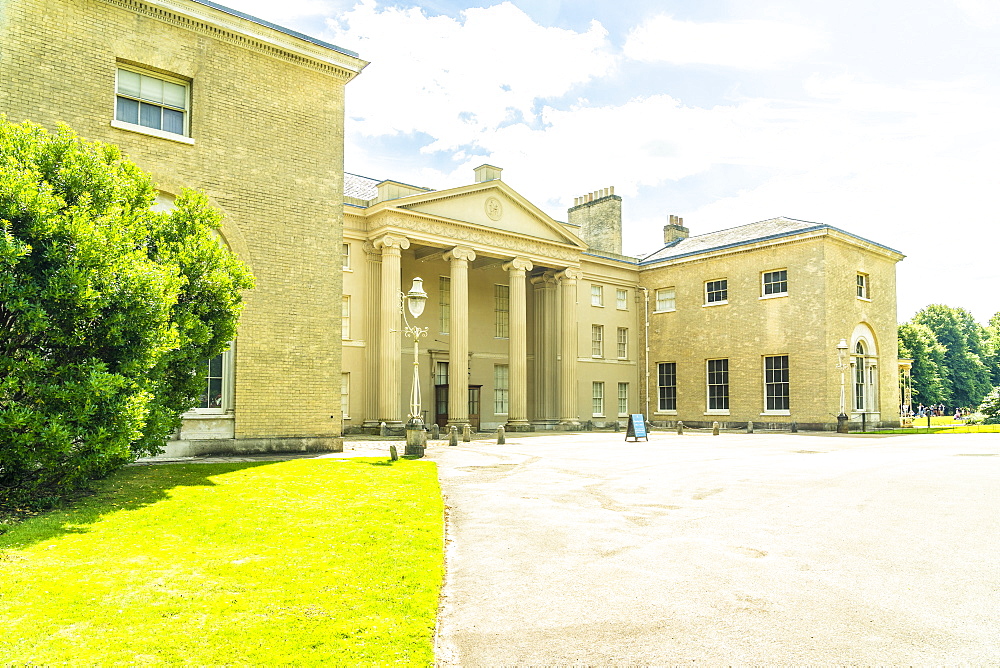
[
  {"x": 668, "y": 412},
  {"x": 208, "y": 414},
  {"x": 669, "y": 310},
  {"x": 598, "y": 305},
  {"x": 722, "y": 303},
  {"x": 776, "y": 413},
  {"x": 598, "y": 415},
  {"x": 170, "y": 136},
  {"x": 864, "y": 299},
  {"x": 717, "y": 412},
  {"x": 774, "y": 296}
]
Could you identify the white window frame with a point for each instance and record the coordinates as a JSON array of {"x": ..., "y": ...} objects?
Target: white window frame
[
  {"x": 724, "y": 290},
  {"x": 863, "y": 286},
  {"x": 121, "y": 124},
  {"x": 596, "y": 295},
  {"x": 623, "y": 343},
  {"x": 661, "y": 298},
  {"x": 441, "y": 373},
  {"x": 660, "y": 387},
  {"x": 597, "y": 398},
  {"x": 764, "y": 294},
  {"x": 346, "y": 259},
  {"x": 597, "y": 341},
  {"x": 717, "y": 410},
  {"x": 345, "y": 395},
  {"x": 622, "y": 399},
  {"x": 621, "y": 299},
  {"x": 501, "y": 389},
  {"x": 228, "y": 380},
  {"x": 770, "y": 383},
  {"x": 345, "y": 318},
  {"x": 444, "y": 304},
  {"x": 501, "y": 308}
]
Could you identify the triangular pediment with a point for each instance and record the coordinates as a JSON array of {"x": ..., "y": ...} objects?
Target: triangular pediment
[{"x": 493, "y": 205}]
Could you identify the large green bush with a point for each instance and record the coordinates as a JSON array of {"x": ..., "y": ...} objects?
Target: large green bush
[{"x": 108, "y": 310}]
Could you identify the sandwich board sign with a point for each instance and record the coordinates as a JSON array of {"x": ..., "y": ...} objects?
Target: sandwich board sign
[{"x": 636, "y": 427}]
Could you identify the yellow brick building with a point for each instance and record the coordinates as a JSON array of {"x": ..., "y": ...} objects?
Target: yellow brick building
[
  {"x": 532, "y": 323},
  {"x": 539, "y": 324},
  {"x": 253, "y": 115}
]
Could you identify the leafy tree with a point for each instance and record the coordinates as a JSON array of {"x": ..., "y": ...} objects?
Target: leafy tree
[
  {"x": 107, "y": 310},
  {"x": 992, "y": 348},
  {"x": 990, "y": 408},
  {"x": 962, "y": 338},
  {"x": 917, "y": 342}
]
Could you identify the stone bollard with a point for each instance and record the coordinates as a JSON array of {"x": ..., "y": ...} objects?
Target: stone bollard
[
  {"x": 680, "y": 426},
  {"x": 501, "y": 435},
  {"x": 453, "y": 435},
  {"x": 466, "y": 433},
  {"x": 435, "y": 431},
  {"x": 715, "y": 429},
  {"x": 382, "y": 429},
  {"x": 795, "y": 427},
  {"x": 618, "y": 427},
  {"x": 393, "y": 452},
  {"x": 749, "y": 427}
]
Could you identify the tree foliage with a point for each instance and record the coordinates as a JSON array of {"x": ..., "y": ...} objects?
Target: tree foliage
[
  {"x": 964, "y": 370},
  {"x": 990, "y": 408},
  {"x": 107, "y": 310},
  {"x": 917, "y": 342}
]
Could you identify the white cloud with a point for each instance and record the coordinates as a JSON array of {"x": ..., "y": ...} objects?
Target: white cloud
[
  {"x": 742, "y": 45},
  {"x": 456, "y": 80},
  {"x": 985, "y": 13}
]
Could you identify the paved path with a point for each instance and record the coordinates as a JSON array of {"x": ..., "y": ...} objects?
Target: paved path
[{"x": 735, "y": 549}]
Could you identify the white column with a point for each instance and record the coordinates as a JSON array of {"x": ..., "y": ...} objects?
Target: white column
[
  {"x": 373, "y": 333},
  {"x": 458, "y": 368},
  {"x": 546, "y": 337},
  {"x": 568, "y": 394},
  {"x": 390, "y": 326},
  {"x": 517, "y": 418}
]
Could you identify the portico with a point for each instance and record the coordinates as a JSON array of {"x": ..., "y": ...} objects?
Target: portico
[{"x": 483, "y": 240}]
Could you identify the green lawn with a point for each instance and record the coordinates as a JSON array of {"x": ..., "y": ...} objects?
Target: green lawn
[{"x": 301, "y": 562}]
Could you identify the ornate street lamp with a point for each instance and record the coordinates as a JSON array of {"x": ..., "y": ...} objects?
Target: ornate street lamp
[
  {"x": 415, "y": 299},
  {"x": 842, "y": 364}
]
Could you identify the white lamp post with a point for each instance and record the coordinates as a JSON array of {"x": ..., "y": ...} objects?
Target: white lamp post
[
  {"x": 415, "y": 299},
  {"x": 842, "y": 364}
]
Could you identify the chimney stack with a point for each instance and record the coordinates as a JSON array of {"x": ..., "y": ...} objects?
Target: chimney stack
[
  {"x": 599, "y": 215},
  {"x": 486, "y": 173},
  {"x": 675, "y": 231}
]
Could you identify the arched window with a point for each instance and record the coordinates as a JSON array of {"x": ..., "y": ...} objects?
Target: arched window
[
  {"x": 860, "y": 379},
  {"x": 864, "y": 371}
]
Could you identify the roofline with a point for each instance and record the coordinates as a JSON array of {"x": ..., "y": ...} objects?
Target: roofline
[
  {"x": 770, "y": 237},
  {"x": 275, "y": 26}
]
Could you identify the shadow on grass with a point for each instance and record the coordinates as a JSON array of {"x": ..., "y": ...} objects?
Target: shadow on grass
[{"x": 130, "y": 488}]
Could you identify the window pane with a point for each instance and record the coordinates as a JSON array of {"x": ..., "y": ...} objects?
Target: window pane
[
  {"x": 128, "y": 83},
  {"x": 151, "y": 89},
  {"x": 215, "y": 393},
  {"x": 667, "y": 382},
  {"x": 215, "y": 367},
  {"x": 173, "y": 95},
  {"x": 173, "y": 121},
  {"x": 127, "y": 111},
  {"x": 149, "y": 116}
]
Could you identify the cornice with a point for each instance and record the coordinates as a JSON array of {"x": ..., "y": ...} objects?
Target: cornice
[
  {"x": 245, "y": 33},
  {"x": 445, "y": 233}
]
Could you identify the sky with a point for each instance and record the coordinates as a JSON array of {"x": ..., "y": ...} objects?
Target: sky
[{"x": 880, "y": 118}]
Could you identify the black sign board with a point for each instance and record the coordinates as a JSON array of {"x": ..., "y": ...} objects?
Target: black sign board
[{"x": 636, "y": 427}]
